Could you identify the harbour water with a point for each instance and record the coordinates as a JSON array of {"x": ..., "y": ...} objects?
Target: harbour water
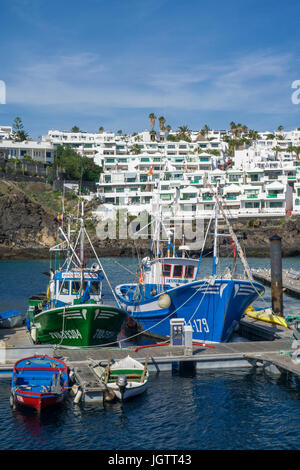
[{"x": 228, "y": 409}]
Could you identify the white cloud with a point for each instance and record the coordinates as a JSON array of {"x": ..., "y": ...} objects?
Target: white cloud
[{"x": 259, "y": 82}]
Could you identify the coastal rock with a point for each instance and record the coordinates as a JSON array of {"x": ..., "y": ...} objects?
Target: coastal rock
[{"x": 28, "y": 229}]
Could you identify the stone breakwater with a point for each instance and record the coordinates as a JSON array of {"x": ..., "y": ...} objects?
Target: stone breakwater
[{"x": 28, "y": 229}]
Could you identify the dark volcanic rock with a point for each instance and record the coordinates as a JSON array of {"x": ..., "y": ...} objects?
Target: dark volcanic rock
[{"x": 28, "y": 230}]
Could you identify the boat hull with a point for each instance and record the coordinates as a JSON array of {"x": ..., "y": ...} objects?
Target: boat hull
[
  {"x": 131, "y": 390},
  {"x": 78, "y": 325},
  {"x": 38, "y": 401},
  {"x": 212, "y": 309}
]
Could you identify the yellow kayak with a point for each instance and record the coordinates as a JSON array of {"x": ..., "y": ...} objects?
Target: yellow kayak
[{"x": 266, "y": 315}]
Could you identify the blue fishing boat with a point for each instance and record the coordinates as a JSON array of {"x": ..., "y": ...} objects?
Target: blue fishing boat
[
  {"x": 169, "y": 288},
  {"x": 11, "y": 319},
  {"x": 39, "y": 382}
]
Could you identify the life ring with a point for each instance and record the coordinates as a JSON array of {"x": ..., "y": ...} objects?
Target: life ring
[{"x": 141, "y": 278}]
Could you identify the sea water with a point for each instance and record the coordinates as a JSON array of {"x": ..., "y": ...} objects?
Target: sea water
[{"x": 224, "y": 409}]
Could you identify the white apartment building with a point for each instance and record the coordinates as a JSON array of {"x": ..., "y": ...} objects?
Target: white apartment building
[
  {"x": 263, "y": 179},
  {"x": 5, "y": 132},
  {"x": 38, "y": 151}
]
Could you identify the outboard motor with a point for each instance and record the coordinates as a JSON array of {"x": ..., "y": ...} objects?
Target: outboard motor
[{"x": 121, "y": 383}]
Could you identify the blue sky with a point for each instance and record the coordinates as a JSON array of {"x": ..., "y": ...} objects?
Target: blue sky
[{"x": 111, "y": 63}]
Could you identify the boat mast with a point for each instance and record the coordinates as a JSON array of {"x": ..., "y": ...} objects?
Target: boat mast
[
  {"x": 82, "y": 247},
  {"x": 82, "y": 235},
  {"x": 215, "y": 252}
]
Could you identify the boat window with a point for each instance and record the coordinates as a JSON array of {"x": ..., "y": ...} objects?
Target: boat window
[
  {"x": 177, "y": 271},
  {"x": 64, "y": 287},
  {"x": 76, "y": 287},
  {"x": 94, "y": 287},
  {"x": 189, "y": 272},
  {"x": 166, "y": 270}
]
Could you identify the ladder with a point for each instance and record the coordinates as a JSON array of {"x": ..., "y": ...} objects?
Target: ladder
[{"x": 233, "y": 235}]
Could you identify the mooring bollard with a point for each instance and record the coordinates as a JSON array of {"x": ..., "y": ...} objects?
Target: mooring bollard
[{"x": 276, "y": 274}]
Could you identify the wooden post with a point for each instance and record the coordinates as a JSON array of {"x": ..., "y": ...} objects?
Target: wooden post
[
  {"x": 276, "y": 274},
  {"x": 106, "y": 376},
  {"x": 145, "y": 369}
]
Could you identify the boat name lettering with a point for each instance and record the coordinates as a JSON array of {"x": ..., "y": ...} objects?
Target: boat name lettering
[
  {"x": 78, "y": 275},
  {"x": 70, "y": 334}
]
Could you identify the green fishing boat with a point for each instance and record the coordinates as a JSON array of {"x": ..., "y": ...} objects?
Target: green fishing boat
[{"x": 71, "y": 312}]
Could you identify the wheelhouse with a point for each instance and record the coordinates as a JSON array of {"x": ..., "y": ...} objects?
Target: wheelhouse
[
  {"x": 68, "y": 286},
  {"x": 171, "y": 270}
]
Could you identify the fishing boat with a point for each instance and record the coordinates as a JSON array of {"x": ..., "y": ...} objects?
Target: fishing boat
[
  {"x": 72, "y": 312},
  {"x": 39, "y": 382},
  {"x": 125, "y": 378},
  {"x": 169, "y": 287},
  {"x": 11, "y": 319}
]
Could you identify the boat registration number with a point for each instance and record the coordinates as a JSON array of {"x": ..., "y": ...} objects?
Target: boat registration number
[
  {"x": 102, "y": 334},
  {"x": 200, "y": 325}
]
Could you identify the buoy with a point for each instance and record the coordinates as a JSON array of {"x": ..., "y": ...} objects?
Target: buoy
[
  {"x": 12, "y": 402},
  {"x": 164, "y": 301},
  {"x": 109, "y": 395},
  {"x": 71, "y": 375},
  {"x": 78, "y": 396}
]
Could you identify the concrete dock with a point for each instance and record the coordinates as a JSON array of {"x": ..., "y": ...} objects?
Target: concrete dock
[
  {"x": 273, "y": 346},
  {"x": 290, "y": 280}
]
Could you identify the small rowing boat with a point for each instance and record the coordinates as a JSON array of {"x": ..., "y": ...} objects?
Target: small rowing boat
[
  {"x": 11, "y": 319},
  {"x": 126, "y": 378},
  {"x": 39, "y": 382}
]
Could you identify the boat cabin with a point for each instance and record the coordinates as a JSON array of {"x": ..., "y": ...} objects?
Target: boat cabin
[
  {"x": 173, "y": 271},
  {"x": 65, "y": 287}
]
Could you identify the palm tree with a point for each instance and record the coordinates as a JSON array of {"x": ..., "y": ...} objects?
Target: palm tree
[
  {"x": 101, "y": 130},
  {"x": 183, "y": 133},
  {"x": 152, "y": 118},
  {"x": 161, "y": 121},
  {"x": 280, "y": 128},
  {"x": 168, "y": 128},
  {"x": 135, "y": 149},
  {"x": 120, "y": 132},
  {"x": 253, "y": 135},
  {"x": 297, "y": 151},
  {"x": 276, "y": 150},
  {"x": 293, "y": 148},
  {"x": 245, "y": 129}
]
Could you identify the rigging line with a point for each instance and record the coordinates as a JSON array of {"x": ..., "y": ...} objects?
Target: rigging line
[
  {"x": 126, "y": 269},
  {"x": 137, "y": 334},
  {"x": 204, "y": 242},
  {"x": 97, "y": 258}
]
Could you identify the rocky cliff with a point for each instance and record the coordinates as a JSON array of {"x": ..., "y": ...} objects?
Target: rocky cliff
[{"x": 28, "y": 227}]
